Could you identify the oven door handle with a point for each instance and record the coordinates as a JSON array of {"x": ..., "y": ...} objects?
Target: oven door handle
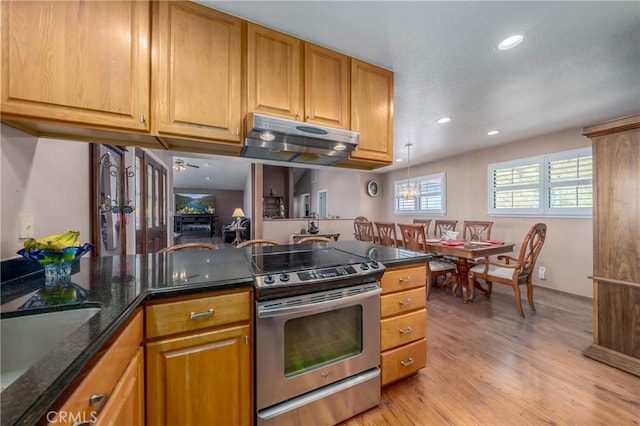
[{"x": 326, "y": 305}]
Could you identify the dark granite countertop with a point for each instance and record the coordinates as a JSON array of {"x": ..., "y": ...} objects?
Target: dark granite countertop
[{"x": 118, "y": 285}]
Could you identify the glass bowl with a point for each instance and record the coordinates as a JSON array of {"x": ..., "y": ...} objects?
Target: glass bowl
[{"x": 56, "y": 263}]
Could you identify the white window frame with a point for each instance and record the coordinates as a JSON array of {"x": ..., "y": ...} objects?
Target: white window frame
[
  {"x": 441, "y": 211},
  {"x": 543, "y": 186}
]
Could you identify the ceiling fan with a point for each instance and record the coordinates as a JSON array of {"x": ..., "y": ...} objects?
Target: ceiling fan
[{"x": 180, "y": 165}]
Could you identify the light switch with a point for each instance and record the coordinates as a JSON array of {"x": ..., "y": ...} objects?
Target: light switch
[{"x": 25, "y": 225}]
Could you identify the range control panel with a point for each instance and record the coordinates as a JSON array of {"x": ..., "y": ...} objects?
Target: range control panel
[{"x": 311, "y": 276}]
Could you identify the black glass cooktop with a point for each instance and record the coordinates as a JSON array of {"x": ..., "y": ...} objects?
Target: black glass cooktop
[{"x": 302, "y": 259}]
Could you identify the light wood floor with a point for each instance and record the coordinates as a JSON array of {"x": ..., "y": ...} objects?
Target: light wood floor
[{"x": 486, "y": 366}]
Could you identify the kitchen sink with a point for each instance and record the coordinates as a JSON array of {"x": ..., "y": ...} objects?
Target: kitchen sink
[{"x": 27, "y": 339}]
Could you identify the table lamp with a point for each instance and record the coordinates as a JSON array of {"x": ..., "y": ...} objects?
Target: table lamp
[{"x": 237, "y": 214}]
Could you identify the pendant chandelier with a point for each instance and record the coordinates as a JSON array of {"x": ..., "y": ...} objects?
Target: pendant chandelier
[{"x": 410, "y": 190}]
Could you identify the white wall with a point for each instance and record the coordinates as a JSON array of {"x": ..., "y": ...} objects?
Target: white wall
[
  {"x": 343, "y": 192},
  {"x": 568, "y": 250},
  {"x": 47, "y": 178}
]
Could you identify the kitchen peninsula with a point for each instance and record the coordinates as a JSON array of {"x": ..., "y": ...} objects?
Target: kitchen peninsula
[{"x": 120, "y": 287}]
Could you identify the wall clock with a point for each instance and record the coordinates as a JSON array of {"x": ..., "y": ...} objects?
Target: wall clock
[{"x": 373, "y": 188}]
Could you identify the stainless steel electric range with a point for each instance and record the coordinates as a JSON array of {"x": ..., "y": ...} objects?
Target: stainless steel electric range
[{"x": 317, "y": 334}]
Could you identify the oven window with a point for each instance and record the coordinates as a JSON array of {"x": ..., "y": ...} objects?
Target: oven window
[{"x": 321, "y": 339}]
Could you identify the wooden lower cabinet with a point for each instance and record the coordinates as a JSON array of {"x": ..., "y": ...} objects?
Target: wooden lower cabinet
[
  {"x": 403, "y": 324},
  {"x": 199, "y": 379},
  {"x": 111, "y": 390},
  {"x": 403, "y": 361},
  {"x": 126, "y": 405},
  {"x": 198, "y": 360}
]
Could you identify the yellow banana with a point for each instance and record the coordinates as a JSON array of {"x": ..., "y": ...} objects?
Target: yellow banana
[
  {"x": 54, "y": 241},
  {"x": 30, "y": 243},
  {"x": 69, "y": 238},
  {"x": 56, "y": 245}
]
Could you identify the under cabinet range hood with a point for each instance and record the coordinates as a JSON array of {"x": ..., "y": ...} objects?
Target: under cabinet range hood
[{"x": 279, "y": 139}]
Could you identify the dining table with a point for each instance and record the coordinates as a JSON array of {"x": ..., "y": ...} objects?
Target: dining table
[{"x": 463, "y": 251}]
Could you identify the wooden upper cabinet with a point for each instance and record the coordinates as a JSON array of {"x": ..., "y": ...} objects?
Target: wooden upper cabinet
[
  {"x": 77, "y": 62},
  {"x": 274, "y": 73},
  {"x": 196, "y": 72},
  {"x": 292, "y": 79},
  {"x": 372, "y": 111},
  {"x": 327, "y": 76}
]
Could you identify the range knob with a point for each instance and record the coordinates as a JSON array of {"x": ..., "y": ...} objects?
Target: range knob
[
  {"x": 284, "y": 277},
  {"x": 364, "y": 266},
  {"x": 374, "y": 264},
  {"x": 269, "y": 279}
]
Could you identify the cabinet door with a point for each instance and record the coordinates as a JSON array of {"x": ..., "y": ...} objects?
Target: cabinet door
[
  {"x": 327, "y": 76},
  {"x": 274, "y": 73},
  {"x": 196, "y": 69},
  {"x": 200, "y": 379},
  {"x": 80, "y": 62},
  {"x": 126, "y": 403},
  {"x": 372, "y": 111}
]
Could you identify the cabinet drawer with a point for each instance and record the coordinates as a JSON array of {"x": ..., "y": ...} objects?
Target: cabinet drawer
[
  {"x": 403, "y": 361},
  {"x": 96, "y": 387},
  {"x": 186, "y": 315},
  {"x": 402, "y": 302},
  {"x": 403, "y": 279},
  {"x": 402, "y": 329}
]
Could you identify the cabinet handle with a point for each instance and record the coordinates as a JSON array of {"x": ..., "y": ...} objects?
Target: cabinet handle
[
  {"x": 308, "y": 116},
  {"x": 407, "y": 363},
  {"x": 207, "y": 314},
  {"x": 406, "y": 280},
  {"x": 297, "y": 115},
  {"x": 406, "y": 302},
  {"x": 407, "y": 330},
  {"x": 96, "y": 398},
  {"x": 142, "y": 118}
]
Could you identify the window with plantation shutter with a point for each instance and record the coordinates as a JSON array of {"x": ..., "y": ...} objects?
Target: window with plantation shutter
[
  {"x": 558, "y": 184},
  {"x": 570, "y": 187},
  {"x": 428, "y": 195}
]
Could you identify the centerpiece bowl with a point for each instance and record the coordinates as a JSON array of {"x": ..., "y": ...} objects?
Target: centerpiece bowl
[{"x": 56, "y": 263}]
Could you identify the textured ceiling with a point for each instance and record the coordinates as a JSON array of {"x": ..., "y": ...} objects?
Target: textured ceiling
[{"x": 578, "y": 64}]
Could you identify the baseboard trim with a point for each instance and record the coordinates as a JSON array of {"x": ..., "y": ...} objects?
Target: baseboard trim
[{"x": 615, "y": 359}]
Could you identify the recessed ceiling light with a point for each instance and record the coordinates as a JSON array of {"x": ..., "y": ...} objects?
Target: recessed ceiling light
[
  {"x": 493, "y": 132},
  {"x": 206, "y": 164},
  {"x": 208, "y": 178},
  {"x": 443, "y": 120},
  {"x": 510, "y": 42},
  {"x": 398, "y": 160}
]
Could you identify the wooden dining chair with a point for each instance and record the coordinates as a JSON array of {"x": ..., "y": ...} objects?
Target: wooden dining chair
[
  {"x": 312, "y": 239},
  {"x": 364, "y": 231},
  {"x": 513, "y": 271},
  {"x": 425, "y": 223},
  {"x": 441, "y": 226},
  {"x": 258, "y": 242},
  {"x": 412, "y": 236},
  {"x": 387, "y": 234},
  {"x": 175, "y": 247},
  {"x": 355, "y": 229},
  {"x": 476, "y": 230}
]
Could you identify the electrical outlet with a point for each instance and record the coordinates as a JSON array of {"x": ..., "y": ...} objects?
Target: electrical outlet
[{"x": 542, "y": 273}]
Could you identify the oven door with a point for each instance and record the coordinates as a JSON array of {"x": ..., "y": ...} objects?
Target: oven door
[{"x": 310, "y": 341}]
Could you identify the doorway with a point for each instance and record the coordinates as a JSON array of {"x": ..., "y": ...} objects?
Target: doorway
[{"x": 151, "y": 200}]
